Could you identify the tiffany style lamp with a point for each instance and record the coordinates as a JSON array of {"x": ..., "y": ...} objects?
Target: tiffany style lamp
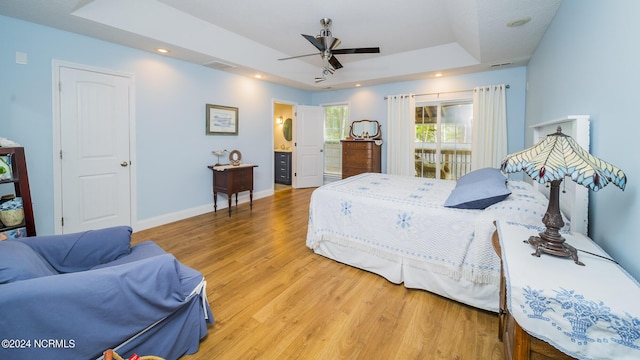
[{"x": 549, "y": 161}]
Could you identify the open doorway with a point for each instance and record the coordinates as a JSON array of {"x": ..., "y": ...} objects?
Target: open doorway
[{"x": 283, "y": 145}]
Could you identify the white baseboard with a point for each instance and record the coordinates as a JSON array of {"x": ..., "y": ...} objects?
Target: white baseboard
[{"x": 199, "y": 210}]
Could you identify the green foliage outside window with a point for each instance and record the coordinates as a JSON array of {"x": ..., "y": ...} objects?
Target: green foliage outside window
[
  {"x": 336, "y": 122},
  {"x": 336, "y": 128}
]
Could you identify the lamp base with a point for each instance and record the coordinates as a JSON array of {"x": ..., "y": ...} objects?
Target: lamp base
[{"x": 554, "y": 248}]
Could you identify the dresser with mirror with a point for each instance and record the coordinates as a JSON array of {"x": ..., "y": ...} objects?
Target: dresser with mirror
[{"x": 361, "y": 152}]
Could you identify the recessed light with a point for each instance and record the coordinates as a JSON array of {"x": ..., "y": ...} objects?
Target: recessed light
[
  {"x": 257, "y": 76},
  {"x": 520, "y": 22},
  {"x": 438, "y": 75},
  {"x": 358, "y": 85},
  {"x": 162, "y": 51}
]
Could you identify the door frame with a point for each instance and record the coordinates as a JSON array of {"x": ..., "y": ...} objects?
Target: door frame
[{"x": 56, "y": 134}]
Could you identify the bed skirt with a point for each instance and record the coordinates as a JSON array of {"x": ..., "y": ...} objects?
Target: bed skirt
[{"x": 480, "y": 295}]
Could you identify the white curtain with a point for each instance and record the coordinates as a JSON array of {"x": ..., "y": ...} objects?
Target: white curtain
[
  {"x": 489, "y": 141},
  {"x": 401, "y": 131}
]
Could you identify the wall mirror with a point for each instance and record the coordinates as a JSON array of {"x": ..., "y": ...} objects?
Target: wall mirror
[
  {"x": 286, "y": 129},
  {"x": 365, "y": 130}
]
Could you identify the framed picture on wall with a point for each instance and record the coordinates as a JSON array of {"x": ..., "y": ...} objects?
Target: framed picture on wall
[{"x": 222, "y": 120}]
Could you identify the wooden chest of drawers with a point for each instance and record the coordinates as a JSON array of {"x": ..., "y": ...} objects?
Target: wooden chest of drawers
[{"x": 360, "y": 156}]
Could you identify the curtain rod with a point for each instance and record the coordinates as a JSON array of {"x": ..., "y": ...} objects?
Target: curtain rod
[{"x": 446, "y": 92}]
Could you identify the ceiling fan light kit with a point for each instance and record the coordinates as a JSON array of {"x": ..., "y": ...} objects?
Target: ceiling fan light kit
[{"x": 327, "y": 45}]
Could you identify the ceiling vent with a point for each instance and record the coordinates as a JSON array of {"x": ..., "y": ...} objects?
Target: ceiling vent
[
  {"x": 499, "y": 65},
  {"x": 216, "y": 64}
]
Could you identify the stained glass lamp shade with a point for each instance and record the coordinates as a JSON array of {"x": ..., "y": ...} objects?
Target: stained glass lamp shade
[{"x": 551, "y": 160}]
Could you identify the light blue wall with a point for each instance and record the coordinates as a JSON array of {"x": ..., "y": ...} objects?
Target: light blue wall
[
  {"x": 587, "y": 63},
  {"x": 369, "y": 103},
  {"x": 170, "y": 96}
]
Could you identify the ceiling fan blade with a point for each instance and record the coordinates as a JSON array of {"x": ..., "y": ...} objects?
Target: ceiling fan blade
[
  {"x": 314, "y": 41},
  {"x": 320, "y": 79},
  {"x": 334, "y": 62},
  {"x": 371, "y": 50},
  {"x": 299, "y": 56}
]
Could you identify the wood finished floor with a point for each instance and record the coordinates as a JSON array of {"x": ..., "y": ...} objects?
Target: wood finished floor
[{"x": 273, "y": 298}]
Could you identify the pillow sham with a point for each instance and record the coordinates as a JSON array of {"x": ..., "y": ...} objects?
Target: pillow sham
[
  {"x": 480, "y": 175},
  {"x": 478, "y": 190},
  {"x": 18, "y": 261}
]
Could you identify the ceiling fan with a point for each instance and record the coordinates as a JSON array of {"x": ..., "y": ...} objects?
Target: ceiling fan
[{"x": 327, "y": 45}]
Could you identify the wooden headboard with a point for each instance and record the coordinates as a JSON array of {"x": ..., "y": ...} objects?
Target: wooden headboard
[{"x": 574, "y": 198}]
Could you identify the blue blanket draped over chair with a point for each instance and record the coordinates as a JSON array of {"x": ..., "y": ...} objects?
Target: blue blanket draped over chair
[{"x": 73, "y": 296}]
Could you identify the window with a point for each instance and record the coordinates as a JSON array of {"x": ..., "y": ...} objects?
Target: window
[
  {"x": 336, "y": 128},
  {"x": 443, "y": 139}
]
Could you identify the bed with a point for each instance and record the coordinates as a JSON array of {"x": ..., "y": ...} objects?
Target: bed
[{"x": 397, "y": 227}]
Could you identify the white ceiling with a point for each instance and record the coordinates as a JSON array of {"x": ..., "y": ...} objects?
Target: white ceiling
[{"x": 417, "y": 38}]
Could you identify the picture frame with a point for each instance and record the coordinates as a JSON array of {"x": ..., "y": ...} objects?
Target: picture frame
[{"x": 221, "y": 120}]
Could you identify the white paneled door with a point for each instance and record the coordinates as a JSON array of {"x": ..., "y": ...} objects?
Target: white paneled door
[
  {"x": 309, "y": 147},
  {"x": 95, "y": 156}
]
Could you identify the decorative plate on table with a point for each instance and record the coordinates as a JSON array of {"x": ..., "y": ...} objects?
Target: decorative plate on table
[{"x": 234, "y": 157}]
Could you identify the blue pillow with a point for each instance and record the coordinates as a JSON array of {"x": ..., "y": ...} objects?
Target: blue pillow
[
  {"x": 478, "y": 190},
  {"x": 18, "y": 261},
  {"x": 480, "y": 175}
]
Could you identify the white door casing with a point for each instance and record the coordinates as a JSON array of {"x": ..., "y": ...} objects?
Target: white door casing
[
  {"x": 309, "y": 146},
  {"x": 95, "y": 111}
]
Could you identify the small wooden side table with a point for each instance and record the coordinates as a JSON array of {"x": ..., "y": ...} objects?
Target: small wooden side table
[{"x": 231, "y": 180}]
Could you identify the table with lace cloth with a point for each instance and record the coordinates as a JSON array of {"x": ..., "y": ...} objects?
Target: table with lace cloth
[{"x": 588, "y": 312}]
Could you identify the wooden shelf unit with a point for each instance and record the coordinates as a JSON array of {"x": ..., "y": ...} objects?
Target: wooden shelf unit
[{"x": 20, "y": 181}]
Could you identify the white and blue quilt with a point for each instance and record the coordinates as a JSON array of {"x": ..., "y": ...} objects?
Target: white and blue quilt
[{"x": 402, "y": 219}]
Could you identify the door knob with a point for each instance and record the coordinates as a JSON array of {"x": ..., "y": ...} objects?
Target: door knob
[{"x": 124, "y": 164}]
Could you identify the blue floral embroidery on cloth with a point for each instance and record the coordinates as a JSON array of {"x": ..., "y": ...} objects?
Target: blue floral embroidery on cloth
[
  {"x": 537, "y": 302},
  {"x": 404, "y": 220},
  {"x": 520, "y": 187},
  {"x": 527, "y": 226},
  {"x": 345, "y": 208},
  {"x": 628, "y": 329},
  {"x": 538, "y": 228},
  {"x": 525, "y": 196},
  {"x": 582, "y": 314}
]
